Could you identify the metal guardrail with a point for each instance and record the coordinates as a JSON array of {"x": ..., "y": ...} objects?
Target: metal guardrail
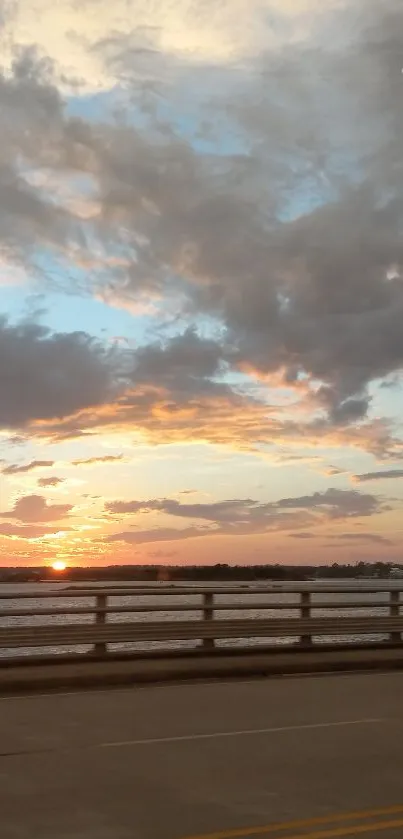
[{"x": 305, "y": 613}]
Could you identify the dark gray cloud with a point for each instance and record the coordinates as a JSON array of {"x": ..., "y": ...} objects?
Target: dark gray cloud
[
  {"x": 187, "y": 362},
  {"x": 35, "y": 509},
  {"x": 220, "y": 511},
  {"x": 245, "y": 516},
  {"x": 335, "y": 503},
  {"x": 291, "y": 245},
  {"x": 58, "y": 378},
  {"x": 32, "y": 213},
  {"x": 47, "y": 375},
  {"x": 304, "y": 276},
  {"x": 378, "y": 476},
  {"x": 170, "y": 390},
  {"x": 177, "y": 404}
]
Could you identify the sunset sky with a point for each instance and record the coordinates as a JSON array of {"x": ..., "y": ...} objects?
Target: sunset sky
[{"x": 201, "y": 283}]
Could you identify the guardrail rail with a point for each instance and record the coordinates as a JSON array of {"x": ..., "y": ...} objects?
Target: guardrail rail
[{"x": 109, "y": 618}]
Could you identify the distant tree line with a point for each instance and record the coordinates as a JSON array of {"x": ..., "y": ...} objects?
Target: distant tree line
[{"x": 203, "y": 573}]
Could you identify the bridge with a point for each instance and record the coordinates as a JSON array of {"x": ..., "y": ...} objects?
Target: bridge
[
  {"x": 70, "y": 635},
  {"x": 314, "y": 757}
]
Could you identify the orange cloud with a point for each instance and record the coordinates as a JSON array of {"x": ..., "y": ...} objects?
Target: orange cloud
[
  {"x": 224, "y": 418},
  {"x": 16, "y": 469},
  {"x": 35, "y": 508}
]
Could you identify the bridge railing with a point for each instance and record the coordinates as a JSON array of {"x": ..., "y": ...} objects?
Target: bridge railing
[{"x": 104, "y": 620}]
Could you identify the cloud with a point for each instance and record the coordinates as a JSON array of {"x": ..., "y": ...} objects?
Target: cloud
[
  {"x": 202, "y": 409},
  {"x": 47, "y": 375},
  {"x": 35, "y": 508},
  {"x": 94, "y": 461},
  {"x": 91, "y": 43},
  {"x": 282, "y": 234},
  {"x": 336, "y": 503},
  {"x": 378, "y": 476},
  {"x": 245, "y": 516},
  {"x": 32, "y": 215},
  {"x": 71, "y": 385},
  {"x": 160, "y": 534},
  {"x": 63, "y": 377},
  {"x": 50, "y": 482},
  {"x": 220, "y": 511},
  {"x": 26, "y": 531},
  {"x": 16, "y": 469},
  {"x": 375, "y": 538},
  {"x": 300, "y": 281},
  {"x": 184, "y": 361}
]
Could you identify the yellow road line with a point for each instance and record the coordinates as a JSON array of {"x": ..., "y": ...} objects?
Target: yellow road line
[
  {"x": 243, "y": 833},
  {"x": 353, "y": 830}
]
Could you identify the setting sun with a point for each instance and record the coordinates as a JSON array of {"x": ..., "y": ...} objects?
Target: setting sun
[{"x": 59, "y": 565}]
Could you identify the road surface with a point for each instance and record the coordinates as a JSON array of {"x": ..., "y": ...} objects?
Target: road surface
[{"x": 313, "y": 757}]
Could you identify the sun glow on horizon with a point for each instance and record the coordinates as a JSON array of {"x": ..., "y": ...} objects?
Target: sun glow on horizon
[{"x": 58, "y": 565}]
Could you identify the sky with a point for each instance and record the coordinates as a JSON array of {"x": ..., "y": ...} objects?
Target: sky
[{"x": 201, "y": 281}]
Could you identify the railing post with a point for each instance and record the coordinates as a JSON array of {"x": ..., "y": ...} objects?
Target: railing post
[
  {"x": 394, "y": 611},
  {"x": 101, "y": 602},
  {"x": 208, "y": 615},
  {"x": 306, "y": 640}
]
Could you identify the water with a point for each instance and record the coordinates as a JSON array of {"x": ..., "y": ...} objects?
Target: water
[{"x": 378, "y": 601}]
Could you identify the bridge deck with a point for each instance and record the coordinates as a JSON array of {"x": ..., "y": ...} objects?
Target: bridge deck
[{"x": 287, "y": 757}]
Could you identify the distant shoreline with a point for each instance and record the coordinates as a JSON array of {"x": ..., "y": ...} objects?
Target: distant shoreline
[{"x": 172, "y": 575}]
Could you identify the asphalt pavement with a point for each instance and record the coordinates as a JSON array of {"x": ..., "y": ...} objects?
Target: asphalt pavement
[{"x": 314, "y": 757}]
